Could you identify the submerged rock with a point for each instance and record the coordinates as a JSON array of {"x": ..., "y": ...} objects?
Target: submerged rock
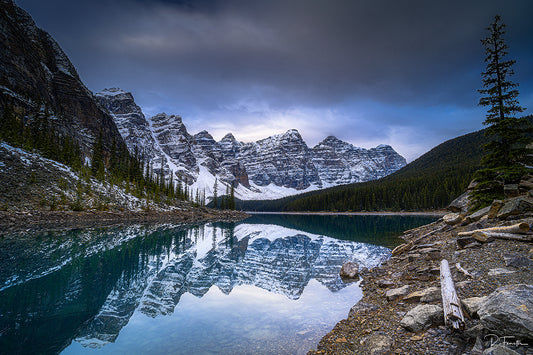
[{"x": 349, "y": 270}]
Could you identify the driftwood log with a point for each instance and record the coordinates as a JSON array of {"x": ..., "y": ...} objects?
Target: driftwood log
[
  {"x": 520, "y": 228},
  {"x": 453, "y": 315},
  {"x": 507, "y": 236}
]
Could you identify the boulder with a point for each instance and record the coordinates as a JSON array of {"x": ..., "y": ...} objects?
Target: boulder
[
  {"x": 499, "y": 349},
  {"x": 471, "y": 305},
  {"x": 422, "y": 316},
  {"x": 476, "y": 216},
  {"x": 377, "y": 343},
  {"x": 397, "y": 292},
  {"x": 460, "y": 204},
  {"x": 349, "y": 270},
  {"x": 508, "y": 311},
  {"x": 516, "y": 206},
  {"x": 452, "y": 218},
  {"x": 430, "y": 294}
]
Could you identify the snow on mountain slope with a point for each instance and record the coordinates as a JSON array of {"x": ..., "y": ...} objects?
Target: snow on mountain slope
[{"x": 274, "y": 167}]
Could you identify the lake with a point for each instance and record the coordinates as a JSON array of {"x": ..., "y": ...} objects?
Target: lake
[{"x": 268, "y": 284}]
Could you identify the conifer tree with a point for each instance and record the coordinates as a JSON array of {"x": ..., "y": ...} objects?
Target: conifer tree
[
  {"x": 215, "y": 197},
  {"x": 97, "y": 161},
  {"x": 506, "y": 154},
  {"x": 231, "y": 203}
]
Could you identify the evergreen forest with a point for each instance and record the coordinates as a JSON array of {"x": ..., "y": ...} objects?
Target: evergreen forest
[{"x": 428, "y": 183}]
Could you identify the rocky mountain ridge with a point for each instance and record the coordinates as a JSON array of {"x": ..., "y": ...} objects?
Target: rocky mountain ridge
[
  {"x": 277, "y": 166},
  {"x": 37, "y": 79}
]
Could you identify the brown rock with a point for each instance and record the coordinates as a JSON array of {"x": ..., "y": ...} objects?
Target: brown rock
[
  {"x": 427, "y": 295},
  {"x": 495, "y": 208}
]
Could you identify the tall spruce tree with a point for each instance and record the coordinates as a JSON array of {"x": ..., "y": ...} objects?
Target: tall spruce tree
[
  {"x": 506, "y": 154},
  {"x": 215, "y": 194}
]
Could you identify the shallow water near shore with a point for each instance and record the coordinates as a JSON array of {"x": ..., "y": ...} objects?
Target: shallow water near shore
[{"x": 268, "y": 284}]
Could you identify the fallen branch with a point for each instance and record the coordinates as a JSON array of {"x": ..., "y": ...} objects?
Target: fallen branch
[
  {"x": 520, "y": 228},
  {"x": 453, "y": 315},
  {"x": 464, "y": 271}
]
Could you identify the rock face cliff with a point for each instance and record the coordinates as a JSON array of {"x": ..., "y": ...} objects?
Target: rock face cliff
[
  {"x": 36, "y": 76},
  {"x": 273, "y": 167}
]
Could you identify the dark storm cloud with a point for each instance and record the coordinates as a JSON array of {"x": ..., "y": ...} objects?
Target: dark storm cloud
[{"x": 398, "y": 62}]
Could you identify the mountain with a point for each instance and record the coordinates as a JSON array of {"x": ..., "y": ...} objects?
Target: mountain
[
  {"x": 277, "y": 166},
  {"x": 430, "y": 182},
  {"x": 37, "y": 79},
  {"x": 45, "y": 107}
]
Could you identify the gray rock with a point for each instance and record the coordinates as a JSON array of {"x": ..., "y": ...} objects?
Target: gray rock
[
  {"x": 508, "y": 311},
  {"x": 516, "y": 206},
  {"x": 377, "y": 343},
  {"x": 478, "y": 347},
  {"x": 349, "y": 270},
  {"x": 471, "y": 305},
  {"x": 422, "y": 316},
  {"x": 499, "y": 349},
  {"x": 430, "y": 294},
  {"x": 476, "y": 216},
  {"x": 397, "y": 292},
  {"x": 460, "y": 204},
  {"x": 361, "y": 307},
  {"x": 476, "y": 331},
  {"x": 518, "y": 261}
]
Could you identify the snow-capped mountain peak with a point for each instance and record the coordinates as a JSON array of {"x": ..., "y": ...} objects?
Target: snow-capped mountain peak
[{"x": 273, "y": 167}]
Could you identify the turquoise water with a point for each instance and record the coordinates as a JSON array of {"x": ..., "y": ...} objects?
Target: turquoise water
[{"x": 268, "y": 284}]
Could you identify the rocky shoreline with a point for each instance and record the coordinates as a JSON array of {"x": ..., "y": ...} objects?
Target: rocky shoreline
[
  {"x": 12, "y": 221},
  {"x": 401, "y": 309}
]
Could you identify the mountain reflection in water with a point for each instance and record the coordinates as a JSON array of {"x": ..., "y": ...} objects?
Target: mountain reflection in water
[{"x": 254, "y": 281}]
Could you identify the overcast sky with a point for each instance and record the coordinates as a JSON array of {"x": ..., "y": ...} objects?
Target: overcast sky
[{"x": 403, "y": 73}]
